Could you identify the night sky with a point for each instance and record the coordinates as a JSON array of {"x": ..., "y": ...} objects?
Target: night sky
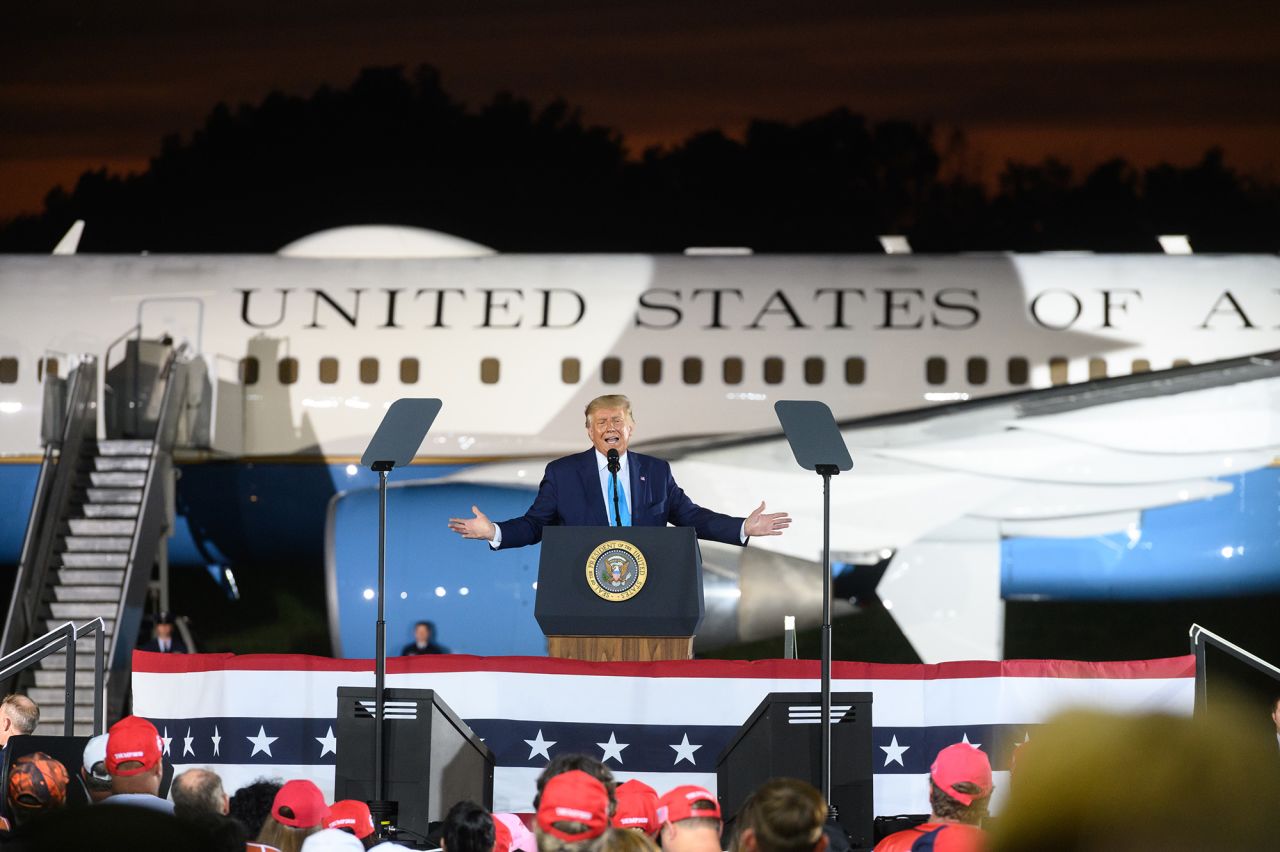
[{"x": 83, "y": 85}]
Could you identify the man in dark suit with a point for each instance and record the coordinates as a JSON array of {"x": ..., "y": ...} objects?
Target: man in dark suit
[
  {"x": 166, "y": 640},
  {"x": 578, "y": 490}
]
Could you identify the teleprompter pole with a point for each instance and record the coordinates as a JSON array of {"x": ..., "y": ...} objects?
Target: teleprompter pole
[
  {"x": 383, "y": 468},
  {"x": 826, "y": 471}
]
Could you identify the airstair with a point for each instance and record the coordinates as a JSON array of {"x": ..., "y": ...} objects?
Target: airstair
[{"x": 102, "y": 511}]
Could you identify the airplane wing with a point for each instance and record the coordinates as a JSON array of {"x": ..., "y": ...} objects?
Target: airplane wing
[{"x": 951, "y": 493}]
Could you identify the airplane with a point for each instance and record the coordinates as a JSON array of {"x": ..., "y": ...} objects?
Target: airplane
[{"x": 1058, "y": 425}]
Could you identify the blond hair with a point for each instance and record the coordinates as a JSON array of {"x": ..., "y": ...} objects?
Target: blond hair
[{"x": 611, "y": 400}]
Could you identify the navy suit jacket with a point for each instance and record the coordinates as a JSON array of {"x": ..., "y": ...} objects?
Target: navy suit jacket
[{"x": 569, "y": 495}]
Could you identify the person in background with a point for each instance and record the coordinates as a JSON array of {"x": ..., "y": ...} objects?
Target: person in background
[
  {"x": 354, "y": 818},
  {"x": 332, "y": 840},
  {"x": 468, "y": 827},
  {"x": 37, "y": 785},
  {"x": 690, "y": 819},
  {"x": 637, "y": 807},
  {"x": 522, "y": 839},
  {"x": 296, "y": 814},
  {"x": 167, "y": 640},
  {"x": 199, "y": 791},
  {"x": 573, "y": 813},
  {"x": 782, "y": 815},
  {"x": 424, "y": 641},
  {"x": 133, "y": 759},
  {"x": 251, "y": 804},
  {"x": 959, "y": 792},
  {"x": 93, "y": 774},
  {"x": 1275, "y": 718},
  {"x": 627, "y": 840},
  {"x": 562, "y": 763},
  {"x": 18, "y": 715}
]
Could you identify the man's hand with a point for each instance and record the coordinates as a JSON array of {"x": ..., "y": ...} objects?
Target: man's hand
[
  {"x": 758, "y": 523},
  {"x": 478, "y": 527}
]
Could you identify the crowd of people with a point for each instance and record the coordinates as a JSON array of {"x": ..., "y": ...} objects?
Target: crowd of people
[{"x": 1089, "y": 781}]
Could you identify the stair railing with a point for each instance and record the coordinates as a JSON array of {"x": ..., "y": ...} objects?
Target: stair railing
[
  {"x": 54, "y": 488},
  {"x": 64, "y": 637}
]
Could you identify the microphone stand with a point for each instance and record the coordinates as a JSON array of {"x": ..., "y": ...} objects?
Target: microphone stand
[{"x": 617, "y": 514}]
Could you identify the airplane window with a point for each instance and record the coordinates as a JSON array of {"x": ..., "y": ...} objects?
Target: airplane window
[
  {"x": 815, "y": 370},
  {"x": 409, "y": 371},
  {"x": 611, "y": 371},
  {"x": 489, "y": 371},
  {"x": 1141, "y": 365},
  {"x": 44, "y": 365},
  {"x": 976, "y": 371},
  {"x": 328, "y": 371},
  {"x": 651, "y": 370},
  {"x": 733, "y": 371},
  {"x": 1018, "y": 371},
  {"x": 935, "y": 370},
  {"x": 287, "y": 371},
  {"x": 691, "y": 371},
  {"x": 1097, "y": 368},
  {"x": 773, "y": 370},
  {"x": 1182, "y": 362},
  {"x": 8, "y": 370},
  {"x": 249, "y": 371},
  {"x": 570, "y": 371},
  {"x": 855, "y": 371},
  {"x": 1058, "y": 370},
  {"x": 368, "y": 371}
]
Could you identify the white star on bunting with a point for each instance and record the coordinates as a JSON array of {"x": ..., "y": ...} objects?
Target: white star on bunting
[
  {"x": 893, "y": 752},
  {"x": 217, "y": 739},
  {"x": 684, "y": 751},
  {"x": 538, "y": 745},
  {"x": 262, "y": 742},
  {"x": 328, "y": 743},
  {"x": 186, "y": 744},
  {"x": 166, "y": 739},
  {"x": 966, "y": 742},
  {"x": 612, "y": 749}
]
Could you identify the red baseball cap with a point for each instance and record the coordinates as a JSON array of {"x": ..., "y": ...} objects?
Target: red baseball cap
[
  {"x": 304, "y": 802},
  {"x": 574, "y": 796},
  {"x": 960, "y": 763},
  {"x": 678, "y": 804},
  {"x": 637, "y": 807},
  {"x": 501, "y": 836},
  {"x": 133, "y": 739},
  {"x": 350, "y": 814}
]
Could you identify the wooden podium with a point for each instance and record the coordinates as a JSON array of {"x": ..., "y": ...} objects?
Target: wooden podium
[{"x": 620, "y": 594}]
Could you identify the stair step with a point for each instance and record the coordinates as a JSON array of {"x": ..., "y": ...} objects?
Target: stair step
[
  {"x": 52, "y": 697},
  {"x": 118, "y": 479},
  {"x": 97, "y": 543},
  {"x": 94, "y": 560},
  {"x": 125, "y": 447},
  {"x": 114, "y": 495},
  {"x": 100, "y": 594},
  {"x": 58, "y": 621},
  {"x": 57, "y": 679},
  {"x": 78, "y": 611},
  {"x": 90, "y": 577},
  {"x": 51, "y": 718},
  {"x": 101, "y": 526},
  {"x": 84, "y": 658},
  {"x": 110, "y": 510},
  {"x": 110, "y": 463}
]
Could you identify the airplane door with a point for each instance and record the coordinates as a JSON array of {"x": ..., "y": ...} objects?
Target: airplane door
[{"x": 179, "y": 317}]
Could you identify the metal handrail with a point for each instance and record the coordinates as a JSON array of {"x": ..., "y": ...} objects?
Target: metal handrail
[
  {"x": 53, "y": 492},
  {"x": 65, "y": 636},
  {"x": 1200, "y": 636}
]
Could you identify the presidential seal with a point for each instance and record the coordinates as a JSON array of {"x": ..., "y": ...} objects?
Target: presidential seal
[{"x": 616, "y": 570}]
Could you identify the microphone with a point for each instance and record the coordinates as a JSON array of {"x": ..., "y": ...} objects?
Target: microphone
[{"x": 614, "y": 465}]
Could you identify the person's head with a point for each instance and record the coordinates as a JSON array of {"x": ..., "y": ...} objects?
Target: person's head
[
  {"x": 573, "y": 813},
  {"x": 1275, "y": 713},
  {"x": 690, "y": 819},
  {"x": 251, "y": 804},
  {"x": 783, "y": 815},
  {"x": 37, "y": 785},
  {"x": 353, "y": 817},
  {"x": 199, "y": 791},
  {"x": 332, "y": 840},
  {"x": 296, "y": 813},
  {"x": 422, "y": 633},
  {"x": 627, "y": 840},
  {"x": 960, "y": 784},
  {"x": 164, "y": 625},
  {"x": 562, "y": 763},
  {"x": 93, "y": 772},
  {"x": 468, "y": 827},
  {"x": 18, "y": 715},
  {"x": 609, "y": 423},
  {"x": 133, "y": 756},
  {"x": 637, "y": 807}
]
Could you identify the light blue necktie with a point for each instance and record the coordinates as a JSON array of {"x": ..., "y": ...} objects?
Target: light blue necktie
[{"x": 623, "y": 511}]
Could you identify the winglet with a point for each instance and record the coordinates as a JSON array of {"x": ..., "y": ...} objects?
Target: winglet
[{"x": 71, "y": 239}]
